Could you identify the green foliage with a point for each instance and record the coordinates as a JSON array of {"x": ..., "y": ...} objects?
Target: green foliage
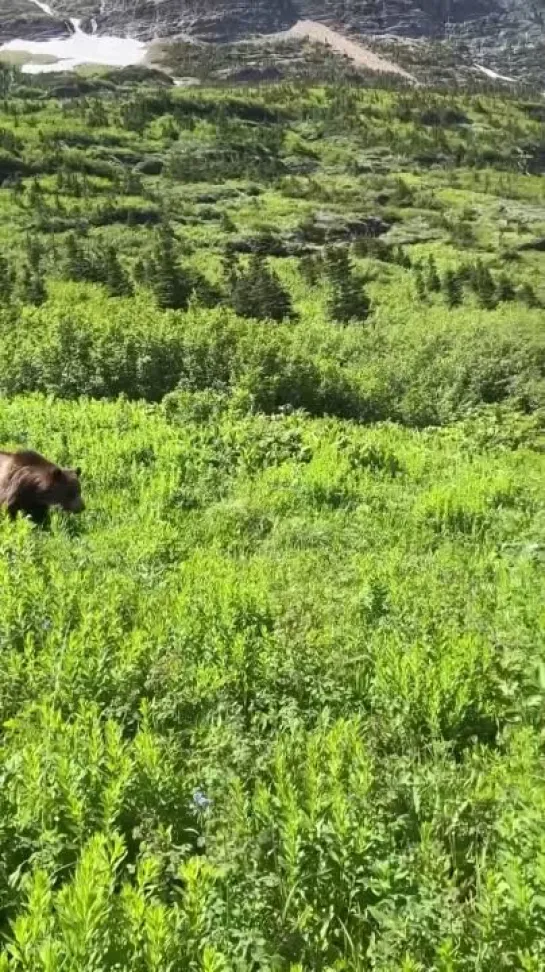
[
  {"x": 452, "y": 288},
  {"x": 6, "y": 280},
  {"x": 236, "y": 679},
  {"x": 257, "y": 291},
  {"x": 275, "y": 701},
  {"x": 433, "y": 280},
  {"x": 348, "y": 300}
]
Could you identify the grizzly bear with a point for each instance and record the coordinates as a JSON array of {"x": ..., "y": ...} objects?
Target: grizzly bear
[{"x": 31, "y": 485}]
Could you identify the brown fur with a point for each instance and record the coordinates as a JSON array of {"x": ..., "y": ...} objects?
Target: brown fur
[{"x": 31, "y": 485}]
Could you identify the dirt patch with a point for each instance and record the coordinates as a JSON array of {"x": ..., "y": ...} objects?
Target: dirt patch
[{"x": 357, "y": 52}]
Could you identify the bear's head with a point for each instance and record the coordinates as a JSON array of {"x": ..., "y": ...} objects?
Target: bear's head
[{"x": 64, "y": 489}]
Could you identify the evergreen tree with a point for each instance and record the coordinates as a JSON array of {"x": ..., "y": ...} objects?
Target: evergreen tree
[
  {"x": 31, "y": 289},
  {"x": 140, "y": 271},
  {"x": 506, "y": 291},
  {"x": 484, "y": 286},
  {"x": 35, "y": 195},
  {"x": 78, "y": 266},
  {"x": 309, "y": 268},
  {"x": 401, "y": 257},
  {"x": 171, "y": 285},
  {"x": 96, "y": 116},
  {"x": 34, "y": 253},
  {"x": 230, "y": 267},
  {"x": 433, "y": 280},
  {"x": 258, "y": 292},
  {"x": 528, "y": 295},
  {"x": 348, "y": 299},
  {"x": 420, "y": 284},
  {"x": 115, "y": 276},
  {"x": 452, "y": 288},
  {"x": 6, "y": 281}
]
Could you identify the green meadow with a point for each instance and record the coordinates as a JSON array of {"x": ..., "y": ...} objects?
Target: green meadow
[{"x": 276, "y": 701}]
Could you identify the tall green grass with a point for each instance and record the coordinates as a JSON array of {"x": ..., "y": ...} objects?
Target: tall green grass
[{"x": 276, "y": 700}]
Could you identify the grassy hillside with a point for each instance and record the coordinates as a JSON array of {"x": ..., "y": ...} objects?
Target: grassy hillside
[{"x": 275, "y": 701}]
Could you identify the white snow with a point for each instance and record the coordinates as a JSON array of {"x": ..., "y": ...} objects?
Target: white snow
[
  {"x": 44, "y": 6},
  {"x": 492, "y": 74},
  {"x": 79, "y": 48}
]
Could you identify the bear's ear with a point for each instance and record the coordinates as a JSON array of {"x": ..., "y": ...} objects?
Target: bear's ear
[
  {"x": 78, "y": 471},
  {"x": 57, "y": 474}
]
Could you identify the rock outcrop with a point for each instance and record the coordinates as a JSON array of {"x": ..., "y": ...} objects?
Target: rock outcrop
[
  {"x": 23, "y": 19},
  {"x": 496, "y": 28}
]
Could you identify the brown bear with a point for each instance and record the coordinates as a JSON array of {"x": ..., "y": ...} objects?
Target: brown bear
[{"x": 31, "y": 485}]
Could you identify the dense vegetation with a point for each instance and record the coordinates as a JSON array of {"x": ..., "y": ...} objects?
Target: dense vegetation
[{"x": 276, "y": 700}]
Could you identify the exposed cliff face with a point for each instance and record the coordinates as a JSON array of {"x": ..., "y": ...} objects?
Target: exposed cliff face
[
  {"x": 497, "y": 27},
  {"x": 23, "y": 18},
  {"x": 228, "y": 20},
  {"x": 210, "y": 20}
]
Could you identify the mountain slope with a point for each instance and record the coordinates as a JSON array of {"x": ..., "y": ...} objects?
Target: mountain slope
[
  {"x": 503, "y": 36},
  {"x": 226, "y": 20}
]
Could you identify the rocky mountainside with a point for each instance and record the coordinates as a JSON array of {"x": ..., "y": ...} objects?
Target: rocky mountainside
[
  {"x": 25, "y": 19},
  {"x": 231, "y": 19},
  {"x": 227, "y": 20},
  {"x": 494, "y": 31}
]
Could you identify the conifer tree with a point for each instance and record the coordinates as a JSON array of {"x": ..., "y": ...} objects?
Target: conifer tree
[
  {"x": 506, "y": 291},
  {"x": 309, "y": 269},
  {"x": 6, "y": 281},
  {"x": 348, "y": 299},
  {"x": 484, "y": 286},
  {"x": 34, "y": 253},
  {"x": 78, "y": 266},
  {"x": 115, "y": 276},
  {"x": 401, "y": 257},
  {"x": 230, "y": 267},
  {"x": 31, "y": 289},
  {"x": 171, "y": 285},
  {"x": 258, "y": 292},
  {"x": 528, "y": 295},
  {"x": 452, "y": 288},
  {"x": 420, "y": 284},
  {"x": 433, "y": 280}
]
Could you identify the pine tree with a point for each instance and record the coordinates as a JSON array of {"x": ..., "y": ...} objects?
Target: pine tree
[
  {"x": 34, "y": 253},
  {"x": 115, "y": 276},
  {"x": 528, "y": 295},
  {"x": 258, "y": 292},
  {"x": 230, "y": 268},
  {"x": 401, "y": 257},
  {"x": 506, "y": 291},
  {"x": 6, "y": 281},
  {"x": 140, "y": 271},
  {"x": 275, "y": 298},
  {"x": 433, "y": 280},
  {"x": 309, "y": 268},
  {"x": 31, "y": 289},
  {"x": 452, "y": 288},
  {"x": 348, "y": 299},
  {"x": 484, "y": 286},
  {"x": 171, "y": 285},
  {"x": 420, "y": 284},
  {"x": 78, "y": 266},
  {"x": 35, "y": 195}
]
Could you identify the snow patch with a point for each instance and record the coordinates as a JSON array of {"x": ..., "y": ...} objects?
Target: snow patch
[
  {"x": 44, "y": 7},
  {"x": 496, "y": 77},
  {"x": 79, "y": 48}
]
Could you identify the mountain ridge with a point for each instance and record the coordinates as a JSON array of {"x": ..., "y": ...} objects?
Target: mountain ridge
[
  {"x": 229, "y": 20},
  {"x": 499, "y": 32}
]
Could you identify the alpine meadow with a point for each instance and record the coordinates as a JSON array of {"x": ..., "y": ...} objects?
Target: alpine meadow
[{"x": 275, "y": 701}]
